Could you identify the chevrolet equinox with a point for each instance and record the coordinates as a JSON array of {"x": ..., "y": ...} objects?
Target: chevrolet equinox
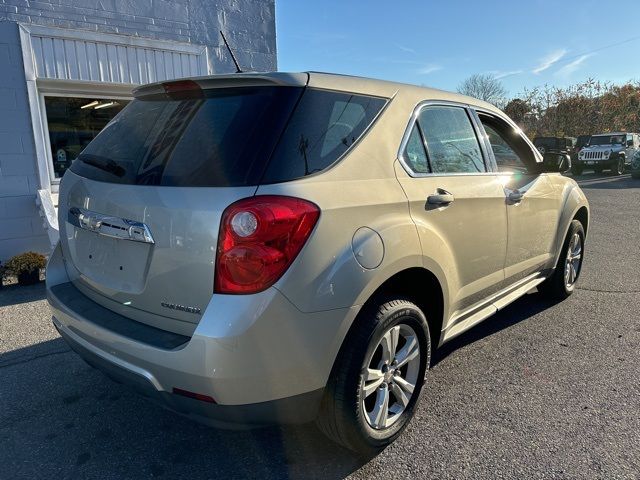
[{"x": 281, "y": 248}]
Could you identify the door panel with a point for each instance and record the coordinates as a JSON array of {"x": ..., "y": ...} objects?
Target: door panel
[
  {"x": 532, "y": 224},
  {"x": 473, "y": 227},
  {"x": 531, "y": 200},
  {"x": 457, "y": 205}
]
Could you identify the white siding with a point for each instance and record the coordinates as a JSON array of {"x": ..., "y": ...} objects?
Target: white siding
[{"x": 72, "y": 59}]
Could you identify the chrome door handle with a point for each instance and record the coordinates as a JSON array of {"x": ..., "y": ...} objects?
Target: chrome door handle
[
  {"x": 515, "y": 196},
  {"x": 441, "y": 197}
]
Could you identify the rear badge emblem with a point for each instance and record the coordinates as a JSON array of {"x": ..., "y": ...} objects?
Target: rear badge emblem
[{"x": 182, "y": 308}]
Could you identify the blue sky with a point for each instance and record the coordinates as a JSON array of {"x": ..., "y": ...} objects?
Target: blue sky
[{"x": 440, "y": 43}]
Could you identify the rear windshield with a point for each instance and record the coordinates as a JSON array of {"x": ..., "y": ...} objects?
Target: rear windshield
[{"x": 227, "y": 137}]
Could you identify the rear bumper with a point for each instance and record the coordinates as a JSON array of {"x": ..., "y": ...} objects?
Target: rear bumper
[
  {"x": 261, "y": 360},
  {"x": 297, "y": 409}
]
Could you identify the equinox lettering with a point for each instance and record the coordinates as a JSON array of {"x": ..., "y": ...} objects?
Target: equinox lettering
[{"x": 182, "y": 308}]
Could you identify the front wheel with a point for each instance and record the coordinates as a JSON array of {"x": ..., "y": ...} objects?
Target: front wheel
[
  {"x": 563, "y": 281},
  {"x": 618, "y": 168},
  {"x": 376, "y": 382}
]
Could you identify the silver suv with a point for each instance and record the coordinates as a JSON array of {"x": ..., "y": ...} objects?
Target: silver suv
[
  {"x": 608, "y": 151},
  {"x": 262, "y": 248}
]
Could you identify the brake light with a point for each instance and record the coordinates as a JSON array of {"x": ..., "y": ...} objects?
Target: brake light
[
  {"x": 181, "y": 89},
  {"x": 259, "y": 238}
]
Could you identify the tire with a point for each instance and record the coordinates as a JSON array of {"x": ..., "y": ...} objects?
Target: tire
[
  {"x": 344, "y": 416},
  {"x": 576, "y": 170},
  {"x": 619, "y": 167},
  {"x": 556, "y": 287}
]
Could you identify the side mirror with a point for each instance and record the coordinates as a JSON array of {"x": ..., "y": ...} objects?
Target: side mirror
[{"x": 556, "y": 162}]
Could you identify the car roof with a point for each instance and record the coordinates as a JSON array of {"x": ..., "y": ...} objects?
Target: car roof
[
  {"x": 611, "y": 134},
  {"x": 327, "y": 81},
  {"x": 372, "y": 86}
]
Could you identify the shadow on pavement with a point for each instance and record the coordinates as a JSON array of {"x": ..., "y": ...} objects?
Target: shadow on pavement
[
  {"x": 520, "y": 310},
  {"x": 59, "y": 415},
  {"x": 607, "y": 182},
  {"x": 58, "y": 412},
  {"x": 15, "y": 294}
]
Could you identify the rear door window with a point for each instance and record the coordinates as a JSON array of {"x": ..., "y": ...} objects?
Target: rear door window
[
  {"x": 415, "y": 153},
  {"x": 452, "y": 144}
]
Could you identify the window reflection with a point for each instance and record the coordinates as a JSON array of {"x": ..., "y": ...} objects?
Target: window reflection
[{"x": 73, "y": 123}]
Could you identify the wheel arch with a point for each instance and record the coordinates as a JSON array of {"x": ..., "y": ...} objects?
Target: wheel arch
[
  {"x": 418, "y": 285},
  {"x": 576, "y": 208},
  {"x": 582, "y": 215}
]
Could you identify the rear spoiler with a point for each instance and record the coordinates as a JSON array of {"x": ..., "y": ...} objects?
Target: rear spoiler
[{"x": 223, "y": 81}]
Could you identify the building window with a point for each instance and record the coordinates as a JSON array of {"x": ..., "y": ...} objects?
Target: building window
[{"x": 73, "y": 123}]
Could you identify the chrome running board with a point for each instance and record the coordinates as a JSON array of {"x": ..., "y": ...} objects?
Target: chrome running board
[{"x": 476, "y": 314}]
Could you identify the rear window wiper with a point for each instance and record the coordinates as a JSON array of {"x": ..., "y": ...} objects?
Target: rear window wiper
[{"x": 103, "y": 163}]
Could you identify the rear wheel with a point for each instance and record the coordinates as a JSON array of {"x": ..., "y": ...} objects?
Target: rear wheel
[
  {"x": 563, "y": 280},
  {"x": 376, "y": 381}
]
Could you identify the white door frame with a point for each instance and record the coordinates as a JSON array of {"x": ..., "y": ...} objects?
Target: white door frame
[{"x": 61, "y": 82}]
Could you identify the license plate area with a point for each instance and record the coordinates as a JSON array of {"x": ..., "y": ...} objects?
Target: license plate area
[{"x": 112, "y": 263}]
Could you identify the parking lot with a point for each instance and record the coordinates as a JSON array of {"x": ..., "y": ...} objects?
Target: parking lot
[{"x": 538, "y": 391}]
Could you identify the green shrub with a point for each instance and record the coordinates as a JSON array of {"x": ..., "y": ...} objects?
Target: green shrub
[{"x": 25, "y": 263}]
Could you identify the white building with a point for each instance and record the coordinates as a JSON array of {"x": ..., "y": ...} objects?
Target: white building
[{"x": 68, "y": 66}]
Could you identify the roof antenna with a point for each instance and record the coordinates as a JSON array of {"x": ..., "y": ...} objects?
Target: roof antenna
[{"x": 233, "y": 57}]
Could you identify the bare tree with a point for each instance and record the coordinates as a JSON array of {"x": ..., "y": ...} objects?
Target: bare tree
[{"x": 484, "y": 87}]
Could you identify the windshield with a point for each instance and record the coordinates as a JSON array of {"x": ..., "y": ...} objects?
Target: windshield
[
  {"x": 582, "y": 141},
  {"x": 607, "y": 139},
  {"x": 548, "y": 142}
]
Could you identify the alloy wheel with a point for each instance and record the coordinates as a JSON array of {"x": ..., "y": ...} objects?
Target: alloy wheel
[
  {"x": 391, "y": 376},
  {"x": 574, "y": 261}
]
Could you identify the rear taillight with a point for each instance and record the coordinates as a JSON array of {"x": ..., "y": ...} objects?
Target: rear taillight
[
  {"x": 196, "y": 396},
  {"x": 259, "y": 238}
]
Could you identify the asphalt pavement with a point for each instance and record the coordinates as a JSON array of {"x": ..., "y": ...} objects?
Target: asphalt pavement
[{"x": 540, "y": 390}]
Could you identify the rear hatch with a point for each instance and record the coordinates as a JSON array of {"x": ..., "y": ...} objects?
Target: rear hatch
[{"x": 140, "y": 208}]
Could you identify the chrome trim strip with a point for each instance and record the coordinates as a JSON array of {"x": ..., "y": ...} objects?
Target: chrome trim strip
[
  {"x": 110, "y": 226},
  {"x": 497, "y": 298}
]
